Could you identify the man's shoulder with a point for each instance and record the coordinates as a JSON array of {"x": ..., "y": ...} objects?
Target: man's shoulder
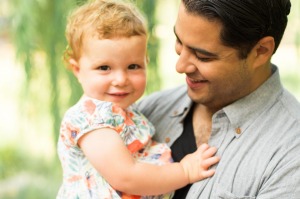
[
  {"x": 162, "y": 102},
  {"x": 291, "y": 105},
  {"x": 164, "y": 97}
]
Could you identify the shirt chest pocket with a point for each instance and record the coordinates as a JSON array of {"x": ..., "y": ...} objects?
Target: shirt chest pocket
[{"x": 222, "y": 193}]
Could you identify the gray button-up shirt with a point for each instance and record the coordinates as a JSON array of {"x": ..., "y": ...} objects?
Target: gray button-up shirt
[{"x": 258, "y": 139}]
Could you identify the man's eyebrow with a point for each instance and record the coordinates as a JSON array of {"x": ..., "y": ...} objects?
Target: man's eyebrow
[
  {"x": 204, "y": 52},
  {"x": 198, "y": 50}
]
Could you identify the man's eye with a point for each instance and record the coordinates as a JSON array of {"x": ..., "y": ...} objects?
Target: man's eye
[
  {"x": 178, "y": 41},
  {"x": 104, "y": 68},
  {"x": 133, "y": 67},
  {"x": 204, "y": 59}
]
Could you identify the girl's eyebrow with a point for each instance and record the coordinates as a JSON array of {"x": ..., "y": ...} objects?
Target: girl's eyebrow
[{"x": 197, "y": 50}]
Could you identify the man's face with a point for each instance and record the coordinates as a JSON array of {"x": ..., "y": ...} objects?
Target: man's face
[{"x": 215, "y": 75}]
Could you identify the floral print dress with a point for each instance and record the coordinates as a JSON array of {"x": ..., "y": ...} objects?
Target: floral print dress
[{"x": 80, "y": 178}]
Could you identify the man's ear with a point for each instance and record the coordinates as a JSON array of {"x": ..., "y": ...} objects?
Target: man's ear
[
  {"x": 264, "y": 50},
  {"x": 74, "y": 66}
]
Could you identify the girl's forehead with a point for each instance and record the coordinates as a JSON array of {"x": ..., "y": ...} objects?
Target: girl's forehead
[{"x": 133, "y": 46}]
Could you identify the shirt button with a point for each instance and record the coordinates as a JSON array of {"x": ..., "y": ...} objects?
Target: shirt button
[
  {"x": 167, "y": 139},
  {"x": 175, "y": 112},
  {"x": 238, "y": 130}
]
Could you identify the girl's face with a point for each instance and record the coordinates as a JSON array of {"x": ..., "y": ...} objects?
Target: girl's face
[{"x": 113, "y": 70}]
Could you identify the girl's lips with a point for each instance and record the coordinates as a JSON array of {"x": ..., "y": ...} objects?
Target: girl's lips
[
  {"x": 195, "y": 84},
  {"x": 117, "y": 92},
  {"x": 119, "y": 95}
]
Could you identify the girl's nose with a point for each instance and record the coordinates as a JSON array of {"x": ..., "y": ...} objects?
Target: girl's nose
[{"x": 120, "y": 78}]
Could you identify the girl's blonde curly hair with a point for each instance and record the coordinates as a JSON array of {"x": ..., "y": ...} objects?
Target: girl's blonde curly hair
[{"x": 102, "y": 19}]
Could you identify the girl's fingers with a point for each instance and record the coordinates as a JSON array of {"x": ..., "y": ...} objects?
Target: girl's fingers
[
  {"x": 209, "y": 152},
  {"x": 208, "y": 173},
  {"x": 210, "y": 161},
  {"x": 203, "y": 147}
]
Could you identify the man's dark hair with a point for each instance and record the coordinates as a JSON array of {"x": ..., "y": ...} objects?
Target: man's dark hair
[{"x": 244, "y": 22}]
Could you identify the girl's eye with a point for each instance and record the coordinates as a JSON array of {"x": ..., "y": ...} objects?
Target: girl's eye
[
  {"x": 133, "y": 67},
  {"x": 105, "y": 68}
]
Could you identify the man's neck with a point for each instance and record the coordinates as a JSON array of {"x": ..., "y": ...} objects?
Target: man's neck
[{"x": 202, "y": 119}]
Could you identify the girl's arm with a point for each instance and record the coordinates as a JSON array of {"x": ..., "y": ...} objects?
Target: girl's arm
[{"x": 106, "y": 151}]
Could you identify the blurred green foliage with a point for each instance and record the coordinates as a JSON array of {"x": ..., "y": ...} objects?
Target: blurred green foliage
[
  {"x": 10, "y": 155},
  {"x": 25, "y": 177}
]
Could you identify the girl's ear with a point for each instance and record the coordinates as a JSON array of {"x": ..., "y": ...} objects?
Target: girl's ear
[
  {"x": 74, "y": 66},
  {"x": 264, "y": 50}
]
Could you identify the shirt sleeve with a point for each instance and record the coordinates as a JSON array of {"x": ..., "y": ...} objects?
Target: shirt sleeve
[{"x": 89, "y": 115}]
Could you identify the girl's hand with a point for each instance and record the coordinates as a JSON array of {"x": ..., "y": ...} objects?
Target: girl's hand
[{"x": 196, "y": 165}]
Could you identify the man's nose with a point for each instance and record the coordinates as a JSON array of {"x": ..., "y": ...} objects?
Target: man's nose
[{"x": 185, "y": 62}]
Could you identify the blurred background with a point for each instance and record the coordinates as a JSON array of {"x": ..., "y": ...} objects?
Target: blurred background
[{"x": 36, "y": 89}]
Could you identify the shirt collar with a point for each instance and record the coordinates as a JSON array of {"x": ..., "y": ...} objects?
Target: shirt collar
[
  {"x": 182, "y": 108},
  {"x": 242, "y": 112}
]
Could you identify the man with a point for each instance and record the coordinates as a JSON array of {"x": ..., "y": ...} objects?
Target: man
[{"x": 233, "y": 99}]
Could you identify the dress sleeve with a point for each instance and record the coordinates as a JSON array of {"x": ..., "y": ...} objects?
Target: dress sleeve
[{"x": 88, "y": 115}]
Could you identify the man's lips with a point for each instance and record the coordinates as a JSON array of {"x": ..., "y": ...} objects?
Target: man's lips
[{"x": 195, "y": 83}]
